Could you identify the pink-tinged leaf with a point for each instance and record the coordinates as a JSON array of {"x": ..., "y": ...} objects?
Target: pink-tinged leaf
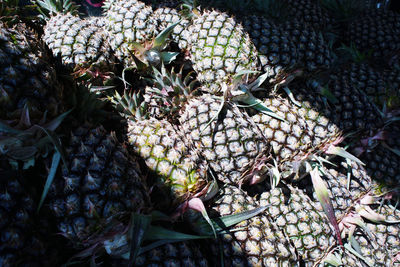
[
  {"x": 323, "y": 196},
  {"x": 94, "y": 4},
  {"x": 198, "y": 205}
]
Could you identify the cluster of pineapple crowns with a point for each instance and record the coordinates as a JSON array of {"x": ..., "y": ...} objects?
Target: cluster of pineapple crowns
[{"x": 170, "y": 94}]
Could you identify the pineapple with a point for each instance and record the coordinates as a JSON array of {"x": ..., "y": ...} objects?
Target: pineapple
[
  {"x": 229, "y": 141},
  {"x": 254, "y": 242},
  {"x": 309, "y": 12},
  {"x": 313, "y": 50},
  {"x": 186, "y": 253},
  {"x": 276, "y": 50},
  {"x": 179, "y": 170},
  {"x": 219, "y": 49},
  {"x": 378, "y": 31},
  {"x": 82, "y": 44},
  {"x": 345, "y": 106},
  {"x": 100, "y": 180},
  {"x": 27, "y": 79},
  {"x": 23, "y": 241},
  {"x": 305, "y": 132},
  {"x": 128, "y": 22},
  {"x": 366, "y": 79},
  {"x": 304, "y": 223},
  {"x": 292, "y": 40}
]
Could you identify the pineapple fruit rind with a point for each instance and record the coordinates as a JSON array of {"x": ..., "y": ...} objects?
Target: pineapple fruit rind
[
  {"x": 232, "y": 145},
  {"x": 254, "y": 242},
  {"x": 302, "y": 222},
  {"x": 178, "y": 167},
  {"x": 22, "y": 241},
  {"x": 219, "y": 49},
  {"x": 100, "y": 180},
  {"x": 276, "y": 51},
  {"x": 27, "y": 76},
  {"x": 127, "y": 22},
  {"x": 80, "y": 42}
]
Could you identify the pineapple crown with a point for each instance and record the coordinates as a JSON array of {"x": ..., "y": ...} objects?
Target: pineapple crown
[
  {"x": 130, "y": 105},
  {"x": 49, "y": 8},
  {"x": 171, "y": 92}
]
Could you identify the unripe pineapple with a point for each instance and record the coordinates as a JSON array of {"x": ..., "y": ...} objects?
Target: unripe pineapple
[
  {"x": 179, "y": 170},
  {"x": 377, "y": 32},
  {"x": 101, "y": 180},
  {"x": 220, "y": 48},
  {"x": 232, "y": 144},
  {"x": 225, "y": 137}
]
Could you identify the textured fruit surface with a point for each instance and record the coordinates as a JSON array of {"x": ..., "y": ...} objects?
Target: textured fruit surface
[{"x": 101, "y": 180}]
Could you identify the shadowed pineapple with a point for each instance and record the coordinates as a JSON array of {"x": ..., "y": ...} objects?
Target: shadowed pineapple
[
  {"x": 102, "y": 180},
  {"x": 27, "y": 77}
]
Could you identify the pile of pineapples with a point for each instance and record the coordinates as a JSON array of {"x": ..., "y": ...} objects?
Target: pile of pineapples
[{"x": 216, "y": 133}]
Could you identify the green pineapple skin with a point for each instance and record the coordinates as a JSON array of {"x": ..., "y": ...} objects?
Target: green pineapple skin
[
  {"x": 302, "y": 222},
  {"x": 219, "y": 49},
  {"x": 127, "y": 22},
  {"x": 178, "y": 168},
  {"x": 276, "y": 50},
  {"x": 101, "y": 180}
]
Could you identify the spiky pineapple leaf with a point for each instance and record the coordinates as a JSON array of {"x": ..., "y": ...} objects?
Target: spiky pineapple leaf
[
  {"x": 222, "y": 224},
  {"x": 50, "y": 177},
  {"x": 161, "y": 38},
  {"x": 137, "y": 230},
  {"x": 339, "y": 151},
  {"x": 349, "y": 247},
  {"x": 7, "y": 129},
  {"x": 168, "y": 57},
  {"x": 322, "y": 193}
]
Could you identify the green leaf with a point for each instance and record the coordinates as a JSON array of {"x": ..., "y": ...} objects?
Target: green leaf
[
  {"x": 22, "y": 153},
  {"x": 53, "y": 125},
  {"x": 259, "y": 105},
  {"x": 160, "y": 40},
  {"x": 53, "y": 170},
  {"x": 222, "y": 224},
  {"x": 161, "y": 233},
  {"x": 355, "y": 253},
  {"x": 197, "y": 204},
  {"x": 323, "y": 196},
  {"x": 329, "y": 95},
  {"x": 339, "y": 151},
  {"x": 139, "y": 225},
  {"x": 168, "y": 57},
  {"x": 56, "y": 142},
  {"x": 7, "y": 129}
]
